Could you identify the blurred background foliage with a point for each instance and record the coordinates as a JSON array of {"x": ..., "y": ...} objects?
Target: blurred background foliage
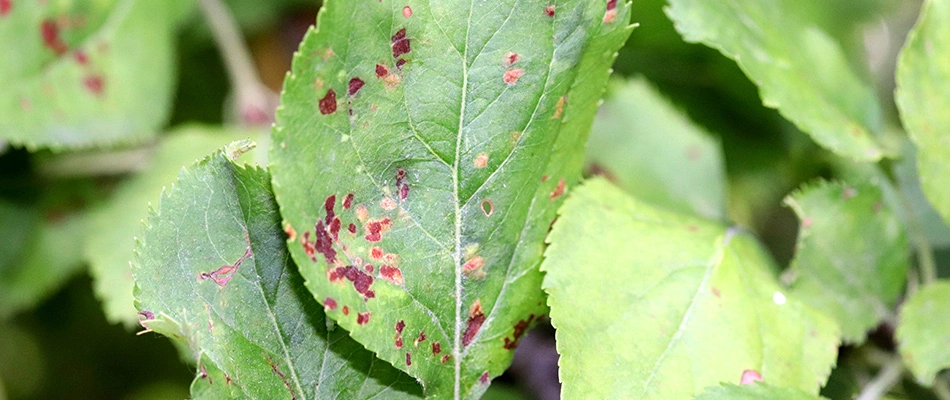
[{"x": 56, "y": 341}]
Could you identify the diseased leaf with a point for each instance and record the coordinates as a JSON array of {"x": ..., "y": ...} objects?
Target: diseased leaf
[
  {"x": 799, "y": 68},
  {"x": 757, "y": 391},
  {"x": 85, "y": 73},
  {"x": 421, "y": 150},
  {"x": 652, "y": 304},
  {"x": 924, "y": 331},
  {"x": 851, "y": 258},
  {"x": 653, "y": 151},
  {"x": 923, "y": 81},
  {"x": 213, "y": 270},
  {"x": 109, "y": 248}
]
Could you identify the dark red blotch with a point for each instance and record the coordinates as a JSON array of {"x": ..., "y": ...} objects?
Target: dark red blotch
[
  {"x": 361, "y": 281},
  {"x": 362, "y": 318},
  {"x": 381, "y": 70},
  {"x": 611, "y": 4},
  {"x": 328, "y": 103},
  {"x": 50, "y": 32},
  {"x": 520, "y": 329},
  {"x": 329, "y": 303},
  {"x": 475, "y": 320},
  {"x": 400, "y": 43},
  {"x": 354, "y": 86}
]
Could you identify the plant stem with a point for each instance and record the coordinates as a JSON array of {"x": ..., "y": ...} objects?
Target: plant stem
[
  {"x": 256, "y": 103},
  {"x": 925, "y": 254},
  {"x": 885, "y": 378}
]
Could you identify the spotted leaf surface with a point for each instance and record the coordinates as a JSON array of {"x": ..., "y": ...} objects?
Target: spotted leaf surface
[
  {"x": 420, "y": 152},
  {"x": 923, "y": 79},
  {"x": 653, "y": 151},
  {"x": 855, "y": 279},
  {"x": 924, "y": 330},
  {"x": 652, "y": 304},
  {"x": 84, "y": 73},
  {"x": 754, "y": 392},
  {"x": 799, "y": 68},
  {"x": 213, "y": 271}
]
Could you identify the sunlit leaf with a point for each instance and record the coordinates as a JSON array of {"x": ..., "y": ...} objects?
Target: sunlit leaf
[
  {"x": 754, "y": 392},
  {"x": 651, "y": 304},
  {"x": 213, "y": 271},
  {"x": 420, "y": 153}
]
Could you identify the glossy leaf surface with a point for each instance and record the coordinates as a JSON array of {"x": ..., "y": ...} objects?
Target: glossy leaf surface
[
  {"x": 420, "y": 153},
  {"x": 652, "y": 304},
  {"x": 213, "y": 271}
]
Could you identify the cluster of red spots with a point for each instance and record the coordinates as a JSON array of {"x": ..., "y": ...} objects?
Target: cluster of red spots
[
  {"x": 611, "y": 13},
  {"x": 476, "y": 317},
  {"x": 549, "y": 10},
  {"x": 354, "y": 86},
  {"x": 375, "y": 229},
  {"x": 422, "y": 337},
  {"x": 392, "y": 274},
  {"x": 283, "y": 377},
  {"x": 400, "y": 43},
  {"x": 484, "y": 378},
  {"x": 559, "y": 190},
  {"x": 511, "y": 75},
  {"x": 401, "y": 184},
  {"x": 362, "y": 318},
  {"x": 408, "y": 360},
  {"x": 50, "y": 33},
  {"x": 520, "y": 329},
  {"x": 94, "y": 84},
  {"x": 750, "y": 376},
  {"x": 361, "y": 281},
  {"x": 400, "y": 325},
  {"x": 481, "y": 161},
  {"x": 559, "y": 107},
  {"x": 222, "y": 276},
  {"x": 329, "y": 303},
  {"x": 5, "y": 6},
  {"x": 328, "y": 103},
  {"x": 406, "y": 11}
]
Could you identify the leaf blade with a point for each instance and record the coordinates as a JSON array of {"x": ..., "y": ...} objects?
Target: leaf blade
[{"x": 922, "y": 329}]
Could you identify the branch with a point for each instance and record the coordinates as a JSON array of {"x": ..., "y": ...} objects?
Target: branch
[{"x": 885, "y": 378}]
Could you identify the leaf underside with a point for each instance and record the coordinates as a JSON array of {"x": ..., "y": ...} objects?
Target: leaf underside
[
  {"x": 420, "y": 152},
  {"x": 799, "y": 68},
  {"x": 854, "y": 278},
  {"x": 924, "y": 331},
  {"x": 652, "y": 304},
  {"x": 212, "y": 270},
  {"x": 84, "y": 73},
  {"x": 923, "y": 81}
]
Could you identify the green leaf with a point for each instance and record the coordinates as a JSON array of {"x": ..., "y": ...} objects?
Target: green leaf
[
  {"x": 754, "y": 392},
  {"x": 924, "y": 331},
  {"x": 851, "y": 258},
  {"x": 213, "y": 270},
  {"x": 653, "y": 151},
  {"x": 800, "y": 69},
  {"x": 923, "y": 81},
  {"x": 85, "y": 73},
  {"x": 420, "y": 153},
  {"x": 652, "y": 304},
  {"x": 113, "y": 226}
]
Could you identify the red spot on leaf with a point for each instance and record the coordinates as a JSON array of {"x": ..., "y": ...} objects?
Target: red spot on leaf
[
  {"x": 422, "y": 337},
  {"x": 484, "y": 378},
  {"x": 806, "y": 222},
  {"x": 361, "y": 281},
  {"x": 398, "y": 342},
  {"x": 328, "y": 205},
  {"x": 50, "y": 33},
  {"x": 346, "y": 310},
  {"x": 408, "y": 360},
  {"x": 94, "y": 84},
  {"x": 80, "y": 56},
  {"x": 406, "y": 11},
  {"x": 328, "y": 103},
  {"x": 512, "y": 75},
  {"x": 559, "y": 190},
  {"x": 323, "y": 244},
  {"x": 222, "y": 276},
  {"x": 376, "y": 253},
  {"x": 392, "y": 274},
  {"x": 348, "y": 201},
  {"x": 374, "y": 229},
  {"x": 436, "y": 347},
  {"x": 387, "y": 204},
  {"x": 354, "y": 86},
  {"x": 750, "y": 376},
  {"x": 381, "y": 70},
  {"x": 204, "y": 374},
  {"x": 611, "y": 4},
  {"x": 400, "y": 43},
  {"x": 362, "y": 318},
  {"x": 368, "y": 268},
  {"x": 291, "y": 233},
  {"x": 329, "y": 304},
  {"x": 510, "y": 59},
  {"x": 5, "y": 6},
  {"x": 403, "y": 192},
  {"x": 476, "y": 317},
  {"x": 399, "y": 63},
  {"x": 473, "y": 264},
  {"x": 445, "y": 358},
  {"x": 559, "y": 107},
  {"x": 352, "y": 228},
  {"x": 544, "y": 178},
  {"x": 362, "y": 213},
  {"x": 400, "y": 325},
  {"x": 549, "y": 10},
  {"x": 481, "y": 161},
  {"x": 520, "y": 329}
]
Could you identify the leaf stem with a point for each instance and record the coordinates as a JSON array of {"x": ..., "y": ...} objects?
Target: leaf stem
[
  {"x": 885, "y": 378},
  {"x": 925, "y": 254},
  {"x": 255, "y": 102}
]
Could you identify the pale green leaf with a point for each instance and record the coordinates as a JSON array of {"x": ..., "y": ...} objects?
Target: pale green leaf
[
  {"x": 924, "y": 331},
  {"x": 851, "y": 258},
  {"x": 800, "y": 69},
  {"x": 650, "y": 304},
  {"x": 420, "y": 153},
  {"x": 757, "y": 391},
  {"x": 213, "y": 270},
  {"x": 85, "y": 73},
  {"x": 653, "y": 151},
  {"x": 109, "y": 247},
  {"x": 923, "y": 81}
]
